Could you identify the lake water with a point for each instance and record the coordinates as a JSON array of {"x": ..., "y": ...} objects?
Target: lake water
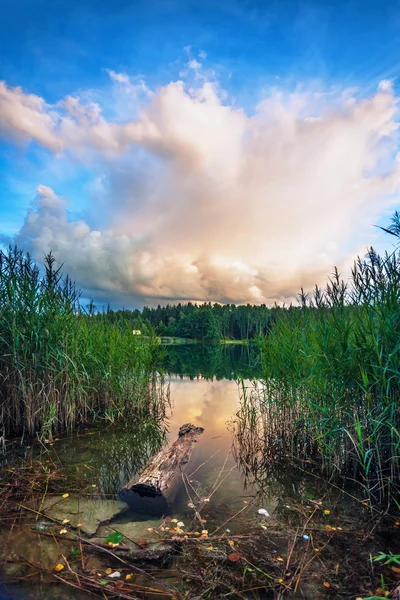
[{"x": 204, "y": 390}]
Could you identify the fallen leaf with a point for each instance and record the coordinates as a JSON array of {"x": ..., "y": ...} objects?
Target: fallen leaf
[
  {"x": 128, "y": 577},
  {"x": 80, "y": 525},
  {"x": 210, "y": 548},
  {"x": 396, "y": 570},
  {"x": 115, "y": 537},
  {"x": 196, "y": 533},
  {"x": 234, "y": 556},
  {"x": 326, "y": 584},
  {"x": 191, "y": 505},
  {"x": 62, "y": 531},
  {"x": 59, "y": 567},
  {"x": 108, "y": 571},
  {"x": 65, "y": 495},
  {"x": 279, "y": 558},
  {"x": 94, "y": 485},
  {"x": 142, "y": 543},
  {"x": 115, "y": 575},
  {"x": 231, "y": 543},
  {"x": 204, "y": 532},
  {"x": 245, "y": 502},
  {"x": 167, "y": 520},
  {"x": 206, "y": 500},
  {"x": 327, "y": 512},
  {"x": 103, "y": 582},
  {"x": 149, "y": 529},
  {"x": 65, "y": 521},
  {"x": 174, "y": 520}
]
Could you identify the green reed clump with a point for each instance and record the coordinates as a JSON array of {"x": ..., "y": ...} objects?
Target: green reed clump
[
  {"x": 332, "y": 375},
  {"x": 60, "y": 365}
]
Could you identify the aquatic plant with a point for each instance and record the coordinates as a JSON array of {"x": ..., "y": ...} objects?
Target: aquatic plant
[
  {"x": 331, "y": 384},
  {"x": 61, "y": 364}
]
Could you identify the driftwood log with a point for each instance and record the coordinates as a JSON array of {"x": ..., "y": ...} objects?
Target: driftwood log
[{"x": 154, "y": 488}]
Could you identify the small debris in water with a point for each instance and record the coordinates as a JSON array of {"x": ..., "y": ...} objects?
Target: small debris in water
[{"x": 115, "y": 575}]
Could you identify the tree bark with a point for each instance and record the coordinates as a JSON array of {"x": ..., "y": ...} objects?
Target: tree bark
[{"x": 162, "y": 474}]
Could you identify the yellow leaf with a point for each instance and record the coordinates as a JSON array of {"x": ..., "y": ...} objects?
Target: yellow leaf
[
  {"x": 65, "y": 495},
  {"x": 59, "y": 567},
  {"x": 279, "y": 558},
  {"x": 245, "y": 502},
  {"x": 327, "y": 512},
  {"x": 128, "y": 577},
  {"x": 149, "y": 529},
  {"x": 65, "y": 521},
  {"x": 94, "y": 485},
  {"x": 326, "y": 584},
  {"x": 62, "y": 531},
  {"x": 206, "y": 500},
  {"x": 108, "y": 571},
  {"x": 210, "y": 548},
  {"x": 196, "y": 533}
]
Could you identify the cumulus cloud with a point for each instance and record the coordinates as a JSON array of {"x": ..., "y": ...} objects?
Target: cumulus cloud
[{"x": 205, "y": 201}]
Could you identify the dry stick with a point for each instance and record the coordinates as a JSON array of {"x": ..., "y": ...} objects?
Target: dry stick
[
  {"x": 43, "y": 497},
  {"x": 222, "y": 481},
  {"x": 190, "y": 485},
  {"x": 230, "y": 519},
  {"x": 133, "y": 567},
  {"x": 197, "y": 514},
  {"x": 219, "y": 474},
  {"x": 204, "y": 463}
]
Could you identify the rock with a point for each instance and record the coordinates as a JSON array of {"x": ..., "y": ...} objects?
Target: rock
[{"x": 91, "y": 513}]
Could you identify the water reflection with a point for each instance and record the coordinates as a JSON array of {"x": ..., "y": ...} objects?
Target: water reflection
[
  {"x": 109, "y": 456},
  {"x": 212, "y": 361}
]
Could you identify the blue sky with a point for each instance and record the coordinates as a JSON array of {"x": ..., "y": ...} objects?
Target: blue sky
[{"x": 284, "y": 53}]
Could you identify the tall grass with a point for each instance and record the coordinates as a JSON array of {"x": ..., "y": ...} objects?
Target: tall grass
[
  {"x": 61, "y": 365},
  {"x": 331, "y": 390}
]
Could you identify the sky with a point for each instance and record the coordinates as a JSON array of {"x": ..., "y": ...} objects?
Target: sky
[{"x": 215, "y": 150}]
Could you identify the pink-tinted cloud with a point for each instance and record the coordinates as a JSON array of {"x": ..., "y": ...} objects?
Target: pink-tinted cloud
[{"x": 225, "y": 206}]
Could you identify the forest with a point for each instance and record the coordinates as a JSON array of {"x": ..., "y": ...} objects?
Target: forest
[{"x": 207, "y": 322}]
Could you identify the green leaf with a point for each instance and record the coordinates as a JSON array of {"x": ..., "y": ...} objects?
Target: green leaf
[
  {"x": 115, "y": 538},
  {"x": 104, "y": 582},
  {"x": 75, "y": 551}
]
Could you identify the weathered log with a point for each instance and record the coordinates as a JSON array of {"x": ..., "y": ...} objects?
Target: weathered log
[{"x": 161, "y": 476}]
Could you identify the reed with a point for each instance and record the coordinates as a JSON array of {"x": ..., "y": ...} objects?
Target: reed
[
  {"x": 331, "y": 383},
  {"x": 61, "y": 365}
]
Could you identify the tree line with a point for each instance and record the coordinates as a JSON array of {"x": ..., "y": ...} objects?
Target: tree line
[{"x": 208, "y": 322}]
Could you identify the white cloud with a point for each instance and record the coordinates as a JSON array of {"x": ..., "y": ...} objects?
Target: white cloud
[{"x": 206, "y": 202}]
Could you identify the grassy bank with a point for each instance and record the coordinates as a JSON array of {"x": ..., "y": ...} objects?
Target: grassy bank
[
  {"x": 59, "y": 366},
  {"x": 332, "y": 380}
]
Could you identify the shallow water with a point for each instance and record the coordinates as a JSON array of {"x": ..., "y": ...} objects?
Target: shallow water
[{"x": 102, "y": 459}]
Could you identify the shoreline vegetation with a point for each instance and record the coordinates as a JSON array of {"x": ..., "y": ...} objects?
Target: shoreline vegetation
[
  {"x": 59, "y": 366},
  {"x": 325, "y": 403}
]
